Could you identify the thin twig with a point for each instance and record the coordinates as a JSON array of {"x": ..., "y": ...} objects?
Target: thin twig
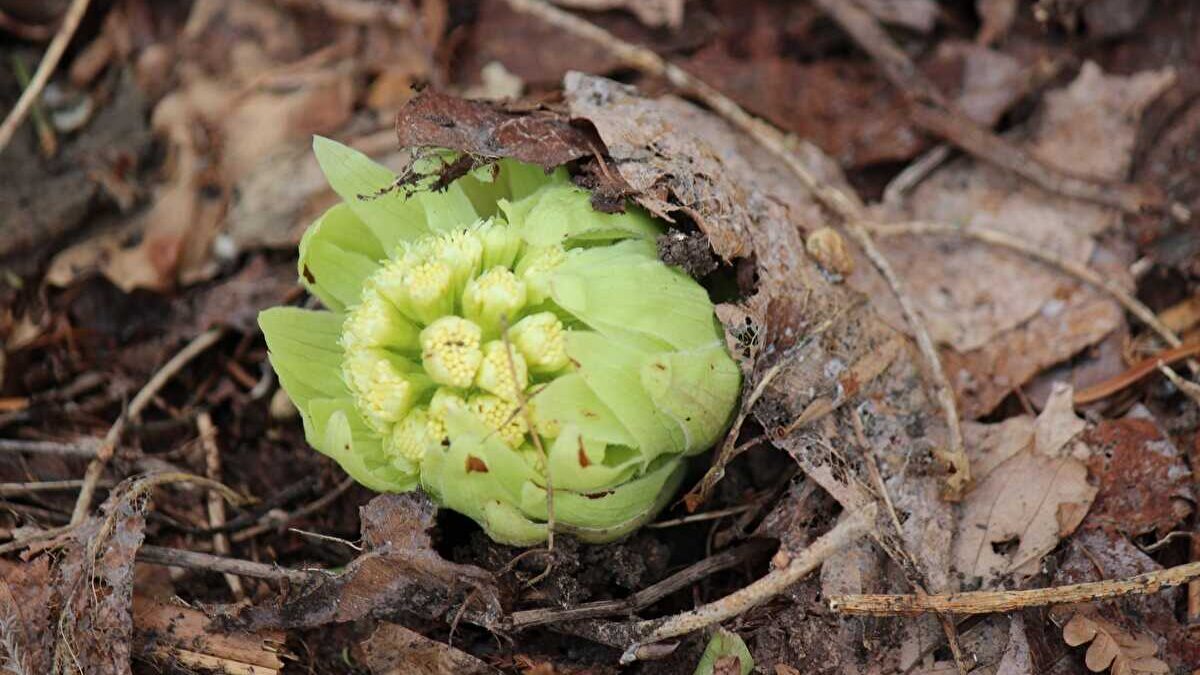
[
  {"x": 1135, "y": 373},
  {"x": 775, "y": 582},
  {"x": 524, "y": 409},
  {"x": 216, "y": 505},
  {"x": 16, "y": 489},
  {"x": 682, "y": 579},
  {"x": 1005, "y": 240},
  {"x": 774, "y": 141},
  {"x": 269, "y": 523},
  {"x": 701, "y": 517},
  {"x": 989, "y": 602},
  {"x": 193, "y": 349},
  {"x": 45, "y": 69},
  {"x": 898, "y": 551},
  {"x": 85, "y": 448},
  {"x": 193, "y": 560}
]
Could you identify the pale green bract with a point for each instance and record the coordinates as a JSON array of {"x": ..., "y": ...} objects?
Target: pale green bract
[{"x": 448, "y": 308}]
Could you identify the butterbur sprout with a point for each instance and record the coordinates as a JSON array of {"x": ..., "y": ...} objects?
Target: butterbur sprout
[{"x": 468, "y": 327}]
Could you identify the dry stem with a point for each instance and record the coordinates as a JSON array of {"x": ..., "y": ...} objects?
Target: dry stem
[
  {"x": 45, "y": 69},
  {"x": 989, "y": 602},
  {"x": 216, "y": 505},
  {"x": 194, "y": 560},
  {"x": 775, "y": 582}
]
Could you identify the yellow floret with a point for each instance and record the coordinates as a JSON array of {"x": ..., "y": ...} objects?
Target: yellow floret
[
  {"x": 375, "y": 322},
  {"x": 493, "y": 299},
  {"x": 503, "y": 417},
  {"x": 535, "y": 268},
  {"x": 430, "y": 291},
  {"x": 444, "y": 401},
  {"x": 461, "y": 252},
  {"x": 383, "y": 391},
  {"x": 503, "y": 371},
  {"x": 413, "y": 436},
  {"x": 541, "y": 339},
  {"x": 450, "y": 351},
  {"x": 501, "y": 244}
]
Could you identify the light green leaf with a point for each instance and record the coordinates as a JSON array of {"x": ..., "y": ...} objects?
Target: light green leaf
[
  {"x": 337, "y": 254},
  {"x": 567, "y": 400},
  {"x": 303, "y": 348},
  {"x": 334, "y": 427},
  {"x": 563, "y": 214},
  {"x": 636, "y": 501},
  {"x": 612, "y": 371},
  {"x": 698, "y": 388},
  {"x": 725, "y": 644},
  {"x": 582, "y": 464},
  {"x": 623, "y": 288}
]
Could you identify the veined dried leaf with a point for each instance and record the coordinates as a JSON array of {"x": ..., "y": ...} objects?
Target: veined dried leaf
[{"x": 1112, "y": 646}]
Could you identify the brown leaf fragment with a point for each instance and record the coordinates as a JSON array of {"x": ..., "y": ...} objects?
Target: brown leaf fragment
[
  {"x": 1003, "y": 317},
  {"x": 1095, "y": 554},
  {"x": 1145, "y": 485},
  {"x": 1025, "y": 504},
  {"x": 536, "y": 136},
  {"x": 400, "y": 570},
  {"x": 395, "y": 650},
  {"x": 1112, "y": 646},
  {"x": 174, "y": 634},
  {"x": 26, "y": 595}
]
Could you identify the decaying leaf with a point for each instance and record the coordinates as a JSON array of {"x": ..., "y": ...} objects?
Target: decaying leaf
[
  {"x": 436, "y": 120},
  {"x": 1145, "y": 485},
  {"x": 395, "y": 650},
  {"x": 399, "y": 571},
  {"x": 1095, "y": 554},
  {"x": 1004, "y": 317},
  {"x": 25, "y": 613},
  {"x": 172, "y": 241},
  {"x": 1112, "y": 647},
  {"x": 1025, "y": 500},
  {"x": 174, "y": 635}
]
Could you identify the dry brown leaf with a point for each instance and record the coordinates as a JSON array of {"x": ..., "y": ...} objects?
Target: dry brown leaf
[
  {"x": 395, "y": 650},
  {"x": 1023, "y": 505},
  {"x": 218, "y": 130},
  {"x": 1004, "y": 317},
  {"x": 1145, "y": 485},
  {"x": 1111, "y": 646}
]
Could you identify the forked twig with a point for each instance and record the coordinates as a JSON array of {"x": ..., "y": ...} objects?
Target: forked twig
[{"x": 853, "y": 526}]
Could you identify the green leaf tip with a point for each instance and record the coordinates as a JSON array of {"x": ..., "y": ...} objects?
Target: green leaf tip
[{"x": 493, "y": 338}]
